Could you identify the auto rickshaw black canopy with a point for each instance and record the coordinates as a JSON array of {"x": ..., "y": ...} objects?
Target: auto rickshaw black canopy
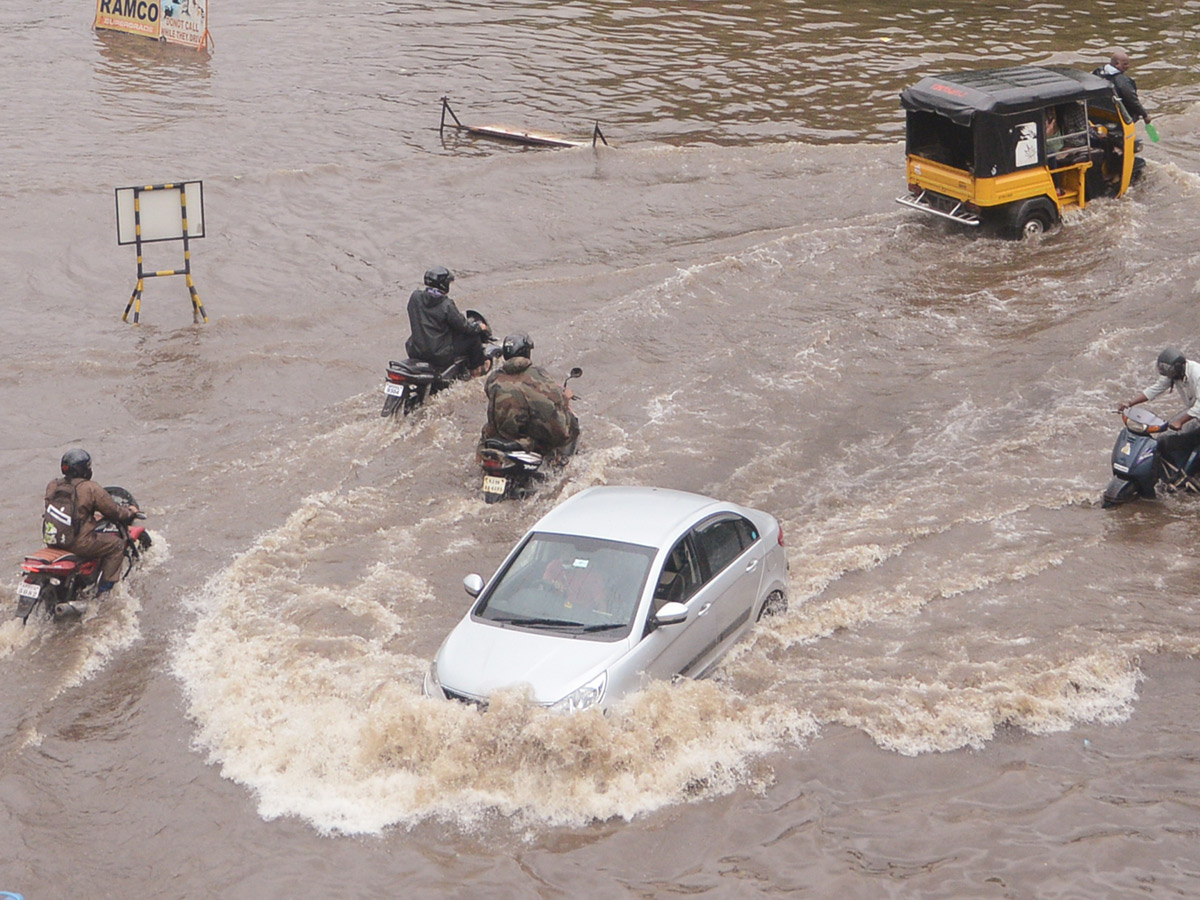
[
  {"x": 990, "y": 122},
  {"x": 960, "y": 96}
]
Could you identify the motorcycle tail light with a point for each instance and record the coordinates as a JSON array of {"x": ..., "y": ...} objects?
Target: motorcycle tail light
[
  {"x": 492, "y": 463},
  {"x": 396, "y": 379}
]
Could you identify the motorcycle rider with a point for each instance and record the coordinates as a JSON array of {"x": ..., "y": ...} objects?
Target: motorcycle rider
[
  {"x": 1175, "y": 370},
  {"x": 527, "y": 406},
  {"x": 440, "y": 333},
  {"x": 91, "y": 498}
]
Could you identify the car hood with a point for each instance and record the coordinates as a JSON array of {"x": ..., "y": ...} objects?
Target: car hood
[{"x": 479, "y": 659}]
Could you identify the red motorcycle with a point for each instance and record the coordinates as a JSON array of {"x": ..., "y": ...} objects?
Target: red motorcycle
[{"x": 63, "y": 582}]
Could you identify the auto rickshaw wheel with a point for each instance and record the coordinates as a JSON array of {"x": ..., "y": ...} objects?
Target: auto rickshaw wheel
[
  {"x": 1029, "y": 218},
  {"x": 1033, "y": 224}
]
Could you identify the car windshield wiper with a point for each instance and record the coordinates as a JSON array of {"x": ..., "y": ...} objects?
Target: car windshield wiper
[
  {"x": 605, "y": 626},
  {"x": 536, "y": 623}
]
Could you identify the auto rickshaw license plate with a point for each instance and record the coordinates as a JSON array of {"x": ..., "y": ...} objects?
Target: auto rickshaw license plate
[
  {"x": 27, "y": 589},
  {"x": 494, "y": 485}
]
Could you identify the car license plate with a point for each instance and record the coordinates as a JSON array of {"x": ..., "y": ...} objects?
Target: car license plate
[
  {"x": 393, "y": 390},
  {"x": 30, "y": 590},
  {"x": 494, "y": 485}
]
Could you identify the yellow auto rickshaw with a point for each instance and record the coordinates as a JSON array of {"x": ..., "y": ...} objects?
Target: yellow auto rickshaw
[{"x": 1012, "y": 149}]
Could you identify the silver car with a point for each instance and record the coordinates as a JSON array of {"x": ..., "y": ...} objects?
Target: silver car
[{"x": 615, "y": 586}]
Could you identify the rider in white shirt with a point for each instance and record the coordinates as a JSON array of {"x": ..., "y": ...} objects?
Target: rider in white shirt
[{"x": 1175, "y": 371}]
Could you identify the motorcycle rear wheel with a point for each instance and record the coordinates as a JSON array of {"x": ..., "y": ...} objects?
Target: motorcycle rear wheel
[
  {"x": 389, "y": 405},
  {"x": 413, "y": 398}
]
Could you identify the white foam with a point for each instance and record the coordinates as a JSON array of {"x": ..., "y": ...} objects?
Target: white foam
[{"x": 308, "y": 696}]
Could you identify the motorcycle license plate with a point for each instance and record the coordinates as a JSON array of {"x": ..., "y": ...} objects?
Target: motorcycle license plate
[
  {"x": 393, "y": 390},
  {"x": 493, "y": 484},
  {"x": 27, "y": 589}
]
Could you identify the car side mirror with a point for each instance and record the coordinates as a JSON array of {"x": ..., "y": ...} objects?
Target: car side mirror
[
  {"x": 473, "y": 584},
  {"x": 671, "y": 614}
]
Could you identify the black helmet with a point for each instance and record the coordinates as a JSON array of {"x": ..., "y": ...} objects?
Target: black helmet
[
  {"x": 1171, "y": 364},
  {"x": 519, "y": 344},
  {"x": 77, "y": 463},
  {"x": 439, "y": 277}
]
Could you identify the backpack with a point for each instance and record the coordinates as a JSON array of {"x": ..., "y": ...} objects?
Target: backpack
[{"x": 60, "y": 521}]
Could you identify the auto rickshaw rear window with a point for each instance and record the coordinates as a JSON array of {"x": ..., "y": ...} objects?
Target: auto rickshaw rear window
[{"x": 940, "y": 140}]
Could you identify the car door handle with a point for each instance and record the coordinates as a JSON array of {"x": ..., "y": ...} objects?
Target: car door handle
[
  {"x": 705, "y": 608},
  {"x": 752, "y": 565}
]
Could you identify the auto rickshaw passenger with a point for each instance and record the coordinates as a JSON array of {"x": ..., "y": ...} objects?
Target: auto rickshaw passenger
[{"x": 1054, "y": 140}]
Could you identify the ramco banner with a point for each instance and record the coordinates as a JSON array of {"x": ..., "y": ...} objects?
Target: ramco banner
[
  {"x": 175, "y": 21},
  {"x": 132, "y": 16}
]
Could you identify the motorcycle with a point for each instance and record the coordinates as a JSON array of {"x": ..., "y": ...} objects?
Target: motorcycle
[
  {"x": 510, "y": 471},
  {"x": 62, "y": 582},
  {"x": 407, "y": 383},
  {"x": 1138, "y": 463}
]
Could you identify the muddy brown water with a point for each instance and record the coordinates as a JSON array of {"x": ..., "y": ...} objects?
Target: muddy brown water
[{"x": 985, "y": 686}]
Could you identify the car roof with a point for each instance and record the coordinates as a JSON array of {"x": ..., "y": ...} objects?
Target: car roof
[
  {"x": 960, "y": 95},
  {"x": 648, "y": 516}
]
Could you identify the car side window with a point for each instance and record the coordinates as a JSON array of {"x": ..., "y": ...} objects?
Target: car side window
[
  {"x": 747, "y": 532},
  {"x": 680, "y": 576},
  {"x": 722, "y": 540}
]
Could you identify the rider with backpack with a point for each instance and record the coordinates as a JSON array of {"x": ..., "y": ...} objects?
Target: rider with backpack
[{"x": 69, "y": 522}]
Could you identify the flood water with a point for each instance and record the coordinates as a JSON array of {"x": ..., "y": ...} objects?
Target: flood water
[{"x": 985, "y": 684}]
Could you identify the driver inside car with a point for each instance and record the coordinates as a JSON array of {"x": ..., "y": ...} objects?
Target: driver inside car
[{"x": 581, "y": 587}]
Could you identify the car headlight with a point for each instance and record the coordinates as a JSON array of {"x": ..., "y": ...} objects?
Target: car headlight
[
  {"x": 433, "y": 687},
  {"x": 585, "y": 697}
]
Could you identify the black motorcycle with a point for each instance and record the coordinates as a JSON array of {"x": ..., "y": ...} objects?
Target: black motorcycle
[
  {"x": 409, "y": 382},
  {"x": 1138, "y": 464},
  {"x": 511, "y": 472},
  {"x": 62, "y": 582}
]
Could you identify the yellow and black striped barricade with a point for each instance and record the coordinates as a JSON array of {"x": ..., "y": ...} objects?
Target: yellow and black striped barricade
[{"x": 159, "y": 212}]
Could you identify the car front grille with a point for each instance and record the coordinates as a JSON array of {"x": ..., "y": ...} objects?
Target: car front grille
[{"x": 463, "y": 698}]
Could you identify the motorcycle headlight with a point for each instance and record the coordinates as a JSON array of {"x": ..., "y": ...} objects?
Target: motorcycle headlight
[
  {"x": 433, "y": 687},
  {"x": 585, "y": 697}
]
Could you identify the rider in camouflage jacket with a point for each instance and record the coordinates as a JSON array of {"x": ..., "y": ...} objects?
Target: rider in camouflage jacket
[{"x": 527, "y": 406}]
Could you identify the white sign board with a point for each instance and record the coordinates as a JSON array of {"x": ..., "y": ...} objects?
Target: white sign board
[
  {"x": 174, "y": 21},
  {"x": 1026, "y": 153},
  {"x": 185, "y": 22},
  {"x": 160, "y": 212}
]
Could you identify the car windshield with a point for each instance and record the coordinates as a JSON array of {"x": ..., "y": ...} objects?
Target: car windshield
[{"x": 570, "y": 585}]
